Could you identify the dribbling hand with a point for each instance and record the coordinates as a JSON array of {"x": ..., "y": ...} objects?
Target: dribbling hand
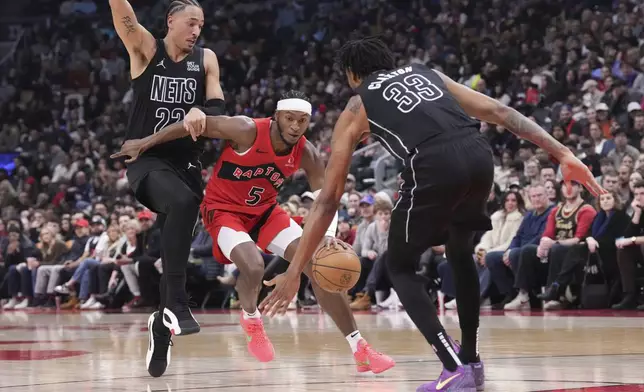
[
  {"x": 131, "y": 148},
  {"x": 195, "y": 123}
]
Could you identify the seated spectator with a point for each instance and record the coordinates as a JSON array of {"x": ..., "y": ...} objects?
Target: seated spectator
[
  {"x": 107, "y": 245},
  {"x": 568, "y": 224},
  {"x": 503, "y": 265},
  {"x": 368, "y": 217},
  {"x": 20, "y": 260},
  {"x": 345, "y": 232},
  {"x": 47, "y": 276},
  {"x": 123, "y": 259},
  {"x": 145, "y": 291},
  {"x": 622, "y": 148},
  {"x": 608, "y": 225},
  {"x": 505, "y": 223},
  {"x": 52, "y": 250},
  {"x": 374, "y": 252},
  {"x": 630, "y": 252},
  {"x": 70, "y": 266}
]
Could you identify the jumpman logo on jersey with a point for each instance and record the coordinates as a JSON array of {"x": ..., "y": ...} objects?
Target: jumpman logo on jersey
[
  {"x": 190, "y": 166},
  {"x": 161, "y": 64}
]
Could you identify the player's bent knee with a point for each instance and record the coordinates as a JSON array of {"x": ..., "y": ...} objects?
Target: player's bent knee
[{"x": 247, "y": 258}]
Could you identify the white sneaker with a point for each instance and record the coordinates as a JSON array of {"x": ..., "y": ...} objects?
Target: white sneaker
[
  {"x": 11, "y": 304},
  {"x": 293, "y": 304},
  {"x": 87, "y": 304},
  {"x": 451, "y": 304},
  {"x": 61, "y": 289},
  {"x": 23, "y": 304},
  {"x": 96, "y": 306},
  {"x": 394, "y": 301},
  {"x": 520, "y": 301},
  {"x": 552, "y": 305}
]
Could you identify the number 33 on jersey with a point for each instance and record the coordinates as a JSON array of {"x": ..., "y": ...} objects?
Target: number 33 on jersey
[{"x": 411, "y": 101}]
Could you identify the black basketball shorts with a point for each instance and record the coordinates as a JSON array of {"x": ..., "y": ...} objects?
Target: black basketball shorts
[
  {"x": 445, "y": 183},
  {"x": 138, "y": 171}
]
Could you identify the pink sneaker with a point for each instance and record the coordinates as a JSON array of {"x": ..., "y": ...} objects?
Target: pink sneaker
[
  {"x": 368, "y": 359},
  {"x": 258, "y": 344}
]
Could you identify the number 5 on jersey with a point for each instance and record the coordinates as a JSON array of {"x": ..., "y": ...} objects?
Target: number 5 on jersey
[
  {"x": 255, "y": 195},
  {"x": 413, "y": 90}
]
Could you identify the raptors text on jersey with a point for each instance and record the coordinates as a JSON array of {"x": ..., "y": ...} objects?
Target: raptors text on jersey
[{"x": 249, "y": 182}]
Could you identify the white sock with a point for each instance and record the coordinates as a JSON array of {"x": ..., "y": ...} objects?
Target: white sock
[
  {"x": 353, "y": 338},
  {"x": 254, "y": 315}
]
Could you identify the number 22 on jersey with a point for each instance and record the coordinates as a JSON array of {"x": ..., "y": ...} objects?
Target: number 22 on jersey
[
  {"x": 166, "y": 117},
  {"x": 411, "y": 91}
]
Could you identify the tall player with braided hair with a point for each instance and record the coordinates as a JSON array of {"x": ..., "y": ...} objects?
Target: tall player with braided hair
[{"x": 173, "y": 80}]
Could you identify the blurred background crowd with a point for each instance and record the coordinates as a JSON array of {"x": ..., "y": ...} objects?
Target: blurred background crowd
[{"x": 72, "y": 235}]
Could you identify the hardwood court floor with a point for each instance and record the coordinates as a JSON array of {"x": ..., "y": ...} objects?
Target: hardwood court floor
[{"x": 97, "y": 352}]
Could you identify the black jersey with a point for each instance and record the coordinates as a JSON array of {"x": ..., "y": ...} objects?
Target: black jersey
[
  {"x": 410, "y": 105},
  {"x": 163, "y": 94}
]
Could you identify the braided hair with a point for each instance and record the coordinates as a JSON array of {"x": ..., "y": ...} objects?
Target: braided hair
[
  {"x": 365, "y": 56},
  {"x": 180, "y": 5}
]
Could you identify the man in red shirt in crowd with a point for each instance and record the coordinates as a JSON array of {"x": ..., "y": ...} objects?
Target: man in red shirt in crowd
[{"x": 568, "y": 224}]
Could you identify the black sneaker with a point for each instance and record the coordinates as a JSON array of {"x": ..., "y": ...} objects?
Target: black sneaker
[
  {"x": 158, "y": 357},
  {"x": 179, "y": 320}
]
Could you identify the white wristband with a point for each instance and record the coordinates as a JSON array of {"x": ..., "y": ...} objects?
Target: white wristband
[{"x": 333, "y": 227}]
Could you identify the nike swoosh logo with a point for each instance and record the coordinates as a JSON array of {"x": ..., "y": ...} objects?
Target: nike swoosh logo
[
  {"x": 441, "y": 384},
  {"x": 355, "y": 334}
]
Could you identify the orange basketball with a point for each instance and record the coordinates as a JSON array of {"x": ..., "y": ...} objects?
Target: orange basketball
[{"x": 336, "y": 269}]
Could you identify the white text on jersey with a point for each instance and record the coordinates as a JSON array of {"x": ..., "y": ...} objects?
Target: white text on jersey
[
  {"x": 383, "y": 77},
  {"x": 193, "y": 67},
  {"x": 173, "y": 90}
]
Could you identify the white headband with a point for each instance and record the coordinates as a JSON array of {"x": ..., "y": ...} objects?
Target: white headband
[{"x": 295, "y": 105}]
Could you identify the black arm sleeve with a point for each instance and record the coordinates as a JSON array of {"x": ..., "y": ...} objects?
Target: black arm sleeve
[{"x": 214, "y": 107}]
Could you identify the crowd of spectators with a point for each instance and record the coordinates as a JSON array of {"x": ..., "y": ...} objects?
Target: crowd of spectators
[{"x": 72, "y": 234}]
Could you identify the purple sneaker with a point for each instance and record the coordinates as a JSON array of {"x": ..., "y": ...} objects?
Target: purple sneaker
[
  {"x": 460, "y": 380},
  {"x": 478, "y": 370}
]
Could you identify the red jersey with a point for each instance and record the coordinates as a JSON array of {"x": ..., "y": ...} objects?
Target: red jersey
[{"x": 249, "y": 182}]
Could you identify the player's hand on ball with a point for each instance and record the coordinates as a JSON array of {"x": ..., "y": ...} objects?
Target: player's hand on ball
[
  {"x": 195, "y": 123},
  {"x": 286, "y": 287},
  {"x": 131, "y": 148}
]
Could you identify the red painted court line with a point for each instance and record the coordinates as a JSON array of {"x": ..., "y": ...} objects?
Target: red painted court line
[
  {"x": 612, "y": 388},
  {"x": 6, "y": 342},
  {"x": 37, "y": 355}
]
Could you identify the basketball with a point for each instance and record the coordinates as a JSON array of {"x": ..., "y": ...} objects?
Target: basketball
[{"x": 336, "y": 269}]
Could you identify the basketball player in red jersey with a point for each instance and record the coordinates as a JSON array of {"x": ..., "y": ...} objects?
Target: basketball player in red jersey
[{"x": 241, "y": 213}]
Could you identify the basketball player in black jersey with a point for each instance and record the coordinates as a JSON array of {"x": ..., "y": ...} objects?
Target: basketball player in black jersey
[
  {"x": 424, "y": 119},
  {"x": 173, "y": 80}
]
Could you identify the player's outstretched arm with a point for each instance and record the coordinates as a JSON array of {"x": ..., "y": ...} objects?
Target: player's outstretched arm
[
  {"x": 240, "y": 130},
  {"x": 137, "y": 40},
  {"x": 490, "y": 110}
]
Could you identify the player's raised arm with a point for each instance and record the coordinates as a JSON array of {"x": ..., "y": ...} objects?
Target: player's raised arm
[
  {"x": 239, "y": 129},
  {"x": 490, "y": 110},
  {"x": 195, "y": 120},
  {"x": 137, "y": 40}
]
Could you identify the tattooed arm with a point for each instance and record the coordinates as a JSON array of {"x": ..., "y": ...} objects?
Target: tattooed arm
[
  {"x": 139, "y": 43},
  {"x": 490, "y": 110}
]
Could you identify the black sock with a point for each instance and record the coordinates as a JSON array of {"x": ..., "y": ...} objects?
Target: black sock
[
  {"x": 459, "y": 253},
  {"x": 410, "y": 287}
]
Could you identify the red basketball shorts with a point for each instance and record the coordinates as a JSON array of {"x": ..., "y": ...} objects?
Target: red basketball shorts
[{"x": 272, "y": 232}]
